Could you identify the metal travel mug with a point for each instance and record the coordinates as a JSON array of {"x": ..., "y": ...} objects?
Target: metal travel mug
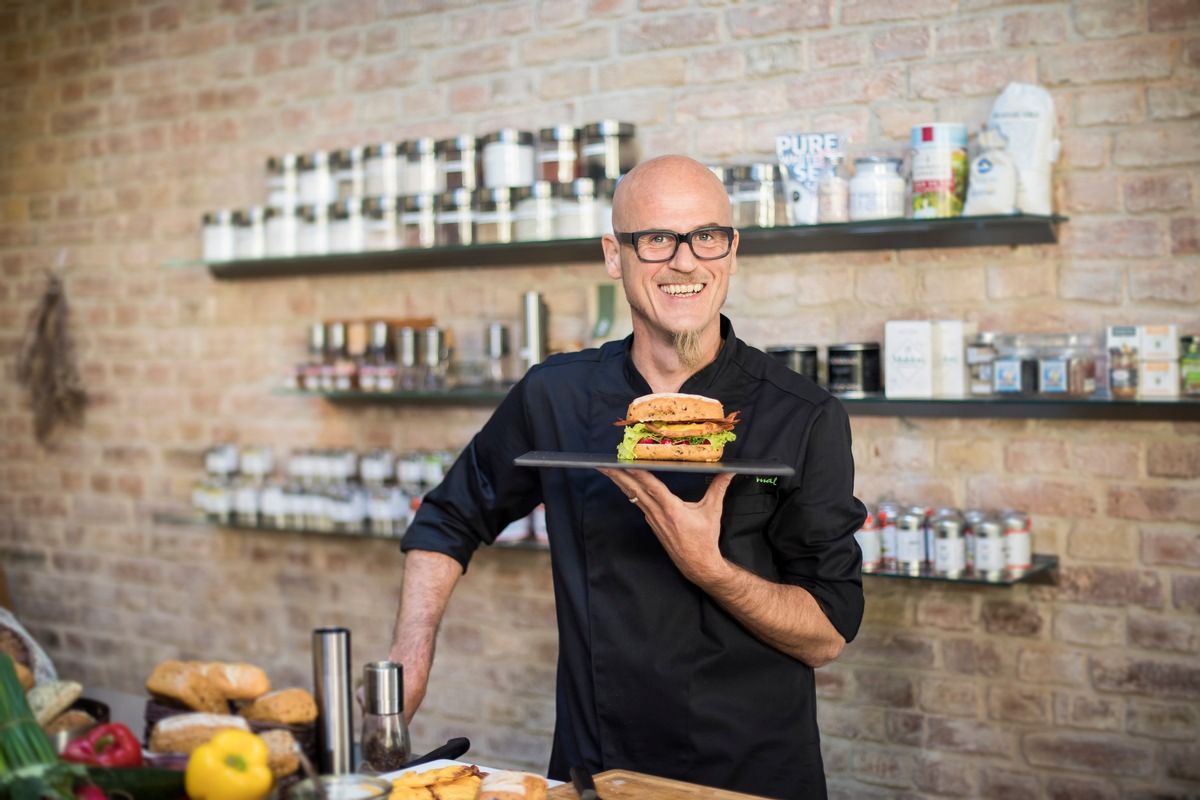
[{"x": 333, "y": 693}]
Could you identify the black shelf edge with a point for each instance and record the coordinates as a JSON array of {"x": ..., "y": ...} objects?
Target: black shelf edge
[
  {"x": 1088, "y": 408},
  {"x": 451, "y": 397},
  {"x": 893, "y": 234},
  {"x": 1042, "y": 572}
]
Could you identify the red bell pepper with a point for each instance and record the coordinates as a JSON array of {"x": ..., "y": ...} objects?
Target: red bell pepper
[{"x": 108, "y": 745}]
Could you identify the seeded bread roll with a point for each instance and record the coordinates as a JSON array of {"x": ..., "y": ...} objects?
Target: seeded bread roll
[
  {"x": 48, "y": 700},
  {"x": 511, "y": 785},
  {"x": 70, "y": 719},
  {"x": 281, "y": 749},
  {"x": 177, "y": 683},
  {"x": 236, "y": 681},
  {"x": 183, "y": 733},
  {"x": 294, "y": 706}
]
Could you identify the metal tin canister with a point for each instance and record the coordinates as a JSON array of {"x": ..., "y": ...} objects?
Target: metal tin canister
[
  {"x": 868, "y": 541},
  {"x": 950, "y": 546},
  {"x": 854, "y": 369},
  {"x": 1018, "y": 544},
  {"x": 972, "y": 517},
  {"x": 927, "y": 514},
  {"x": 939, "y": 169},
  {"x": 910, "y": 543},
  {"x": 887, "y": 513},
  {"x": 990, "y": 556},
  {"x": 800, "y": 358}
]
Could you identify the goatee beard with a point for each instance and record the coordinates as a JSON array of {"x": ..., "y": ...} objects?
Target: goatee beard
[{"x": 687, "y": 349}]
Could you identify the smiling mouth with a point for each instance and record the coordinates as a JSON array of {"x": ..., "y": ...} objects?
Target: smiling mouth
[{"x": 682, "y": 289}]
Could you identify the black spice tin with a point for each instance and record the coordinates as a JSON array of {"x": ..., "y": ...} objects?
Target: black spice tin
[
  {"x": 854, "y": 369},
  {"x": 798, "y": 358}
]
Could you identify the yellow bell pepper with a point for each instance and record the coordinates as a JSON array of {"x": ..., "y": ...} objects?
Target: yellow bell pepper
[{"x": 230, "y": 766}]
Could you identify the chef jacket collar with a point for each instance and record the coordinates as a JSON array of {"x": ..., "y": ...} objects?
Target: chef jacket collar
[{"x": 700, "y": 381}]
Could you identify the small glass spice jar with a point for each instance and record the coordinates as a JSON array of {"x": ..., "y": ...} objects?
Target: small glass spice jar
[
  {"x": 460, "y": 162},
  {"x": 346, "y": 231},
  {"x": 558, "y": 154},
  {"x": 312, "y": 238},
  {"x": 348, "y": 173},
  {"x": 1123, "y": 372},
  {"x": 576, "y": 217},
  {"x": 455, "y": 218},
  {"x": 418, "y": 222},
  {"x": 282, "y": 225},
  {"x": 608, "y": 149},
  {"x": 316, "y": 179},
  {"x": 980, "y": 357},
  {"x": 419, "y": 159},
  {"x": 877, "y": 190},
  {"x": 218, "y": 242},
  {"x": 250, "y": 232},
  {"x": 495, "y": 213},
  {"x": 508, "y": 158},
  {"x": 536, "y": 212},
  {"x": 756, "y": 194},
  {"x": 283, "y": 180},
  {"x": 381, "y": 223},
  {"x": 381, "y": 170}
]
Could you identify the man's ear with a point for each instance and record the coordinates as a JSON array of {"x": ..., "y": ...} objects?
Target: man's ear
[{"x": 612, "y": 256}]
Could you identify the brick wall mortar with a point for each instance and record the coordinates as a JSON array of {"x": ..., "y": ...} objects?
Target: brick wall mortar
[{"x": 120, "y": 123}]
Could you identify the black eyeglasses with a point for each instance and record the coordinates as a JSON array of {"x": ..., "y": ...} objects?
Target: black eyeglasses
[{"x": 657, "y": 246}]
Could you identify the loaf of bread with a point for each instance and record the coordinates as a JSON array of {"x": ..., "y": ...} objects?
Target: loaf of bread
[
  {"x": 511, "y": 785},
  {"x": 24, "y": 676},
  {"x": 176, "y": 683},
  {"x": 235, "y": 680},
  {"x": 294, "y": 706},
  {"x": 71, "y": 719},
  {"x": 183, "y": 733},
  {"x": 281, "y": 750},
  {"x": 48, "y": 700}
]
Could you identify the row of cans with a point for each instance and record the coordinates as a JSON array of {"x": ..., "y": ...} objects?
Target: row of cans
[{"x": 946, "y": 542}]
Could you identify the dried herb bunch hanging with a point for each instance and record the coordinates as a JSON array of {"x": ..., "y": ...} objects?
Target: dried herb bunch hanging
[{"x": 47, "y": 365}]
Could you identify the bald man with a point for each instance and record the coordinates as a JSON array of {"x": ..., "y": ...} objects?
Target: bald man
[{"x": 690, "y": 621}]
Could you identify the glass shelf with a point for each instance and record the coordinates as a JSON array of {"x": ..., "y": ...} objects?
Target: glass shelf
[
  {"x": 892, "y": 234},
  {"x": 1042, "y": 571}
]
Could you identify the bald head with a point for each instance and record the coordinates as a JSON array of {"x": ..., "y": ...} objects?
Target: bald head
[{"x": 665, "y": 180}]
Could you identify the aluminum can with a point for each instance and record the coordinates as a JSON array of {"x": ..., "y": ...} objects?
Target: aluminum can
[
  {"x": 950, "y": 546},
  {"x": 926, "y": 513},
  {"x": 972, "y": 517},
  {"x": 910, "y": 543},
  {"x": 990, "y": 556},
  {"x": 887, "y": 513},
  {"x": 1018, "y": 544},
  {"x": 869, "y": 542}
]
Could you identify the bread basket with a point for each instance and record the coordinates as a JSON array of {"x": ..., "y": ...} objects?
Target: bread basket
[{"x": 94, "y": 708}]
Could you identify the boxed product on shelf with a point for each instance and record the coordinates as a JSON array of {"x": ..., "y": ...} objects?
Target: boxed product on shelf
[
  {"x": 1158, "y": 379},
  {"x": 1158, "y": 343},
  {"x": 908, "y": 358}
]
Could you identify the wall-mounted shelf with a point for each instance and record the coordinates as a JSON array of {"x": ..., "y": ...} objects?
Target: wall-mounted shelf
[
  {"x": 1096, "y": 407},
  {"x": 1042, "y": 571},
  {"x": 894, "y": 234}
]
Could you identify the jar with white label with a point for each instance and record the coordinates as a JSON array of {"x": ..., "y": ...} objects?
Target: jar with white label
[
  {"x": 218, "y": 242},
  {"x": 459, "y": 162},
  {"x": 508, "y": 158},
  {"x": 455, "y": 219},
  {"x": 316, "y": 179},
  {"x": 282, "y": 231},
  {"x": 312, "y": 239},
  {"x": 536, "y": 213},
  {"x": 283, "y": 180},
  {"x": 496, "y": 213},
  {"x": 558, "y": 154},
  {"x": 833, "y": 194},
  {"x": 419, "y": 160},
  {"x": 348, "y": 173},
  {"x": 250, "y": 232},
  {"x": 381, "y": 224},
  {"x": 577, "y": 210},
  {"x": 419, "y": 220},
  {"x": 381, "y": 170},
  {"x": 756, "y": 194},
  {"x": 608, "y": 149},
  {"x": 877, "y": 190},
  {"x": 346, "y": 231}
]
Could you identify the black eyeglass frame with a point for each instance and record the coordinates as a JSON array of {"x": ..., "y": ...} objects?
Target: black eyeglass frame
[{"x": 632, "y": 239}]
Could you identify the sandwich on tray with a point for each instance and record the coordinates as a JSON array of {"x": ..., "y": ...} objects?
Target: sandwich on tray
[{"x": 668, "y": 426}]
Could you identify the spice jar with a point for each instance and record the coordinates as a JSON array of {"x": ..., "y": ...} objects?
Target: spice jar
[
  {"x": 419, "y": 160},
  {"x": 419, "y": 220},
  {"x": 1081, "y": 365},
  {"x": 854, "y": 369},
  {"x": 348, "y": 175},
  {"x": 607, "y": 149},
  {"x": 346, "y": 226},
  {"x": 218, "y": 242},
  {"x": 495, "y": 213},
  {"x": 381, "y": 170},
  {"x": 283, "y": 180},
  {"x": 381, "y": 223},
  {"x": 460, "y": 162},
  {"x": 1189, "y": 365},
  {"x": 508, "y": 158},
  {"x": 558, "y": 154},
  {"x": 756, "y": 195},
  {"x": 877, "y": 189},
  {"x": 282, "y": 225},
  {"x": 535, "y": 213},
  {"x": 1123, "y": 372},
  {"x": 316, "y": 179},
  {"x": 455, "y": 221},
  {"x": 250, "y": 233},
  {"x": 385, "y": 741},
  {"x": 312, "y": 238},
  {"x": 833, "y": 194}
]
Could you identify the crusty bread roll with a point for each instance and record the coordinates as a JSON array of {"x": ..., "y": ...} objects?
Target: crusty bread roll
[
  {"x": 281, "y": 749},
  {"x": 511, "y": 785},
  {"x": 235, "y": 680},
  {"x": 176, "y": 683},
  {"x": 48, "y": 700},
  {"x": 674, "y": 407},
  {"x": 679, "y": 452},
  {"x": 183, "y": 733},
  {"x": 70, "y": 719},
  {"x": 294, "y": 706}
]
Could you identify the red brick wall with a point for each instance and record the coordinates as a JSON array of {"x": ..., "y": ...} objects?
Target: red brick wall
[{"x": 121, "y": 122}]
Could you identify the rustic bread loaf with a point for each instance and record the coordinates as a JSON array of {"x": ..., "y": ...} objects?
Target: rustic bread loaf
[
  {"x": 24, "y": 676},
  {"x": 294, "y": 706},
  {"x": 183, "y": 733},
  {"x": 281, "y": 750},
  {"x": 511, "y": 785},
  {"x": 70, "y": 719},
  {"x": 176, "y": 682},
  {"x": 235, "y": 680},
  {"x": 48, "y": 700}
]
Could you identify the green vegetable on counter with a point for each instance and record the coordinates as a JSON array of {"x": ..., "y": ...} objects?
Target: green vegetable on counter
[{"x": 29, "y": 767}]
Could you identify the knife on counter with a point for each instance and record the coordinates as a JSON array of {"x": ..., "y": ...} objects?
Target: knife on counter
[{"x": 584, "y": 785}]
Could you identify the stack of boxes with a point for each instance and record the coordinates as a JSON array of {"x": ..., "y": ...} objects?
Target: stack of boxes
[
  {"x": 1158, "y": 361},
  {"x": 924, "y": 358}
]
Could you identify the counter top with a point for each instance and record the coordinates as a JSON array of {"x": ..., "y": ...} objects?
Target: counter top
[{"x": 621, "y": 784}]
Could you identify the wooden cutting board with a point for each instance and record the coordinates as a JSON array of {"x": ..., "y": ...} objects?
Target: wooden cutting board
[{"x": 621, "y": 784}]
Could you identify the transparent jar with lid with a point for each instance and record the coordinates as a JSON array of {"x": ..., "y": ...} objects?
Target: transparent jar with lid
[
  {"x": 381, "y": 170},
  {"x": 460, "y": 162},
  {"x": 348, "y": 172},
  {"x": 495, "y": 213},
  {"x": 508, "y": 158},
  {"x": 558, "y": 154},
  {"x": 756, "y": 194},
  {"x": 833, "y": 193},
  {"x": 283, "y": 180},
  {"x": 455, "y": 218},
  {"x": 981, "y": 357},
  {"x": 1015, "y": 369},
  {"x": 1081, "y": 365},
  {"x": 316, "y": 179},
  {"x": 608, "y": 149},
  {"x": 381, "y": 223},
  {"x": 1053, "y": 357},
  {"x": 420, "y": 164},
  {"x": 312, "y": 238},
  {"x": 1123, "y": 372},
  {"x": 536, "y": 212},
  {"x": 877, "y": 190},
  {"x": 577, "y": 210},
  {"x": 418, "y": 222},
  {"x": 346, "y": 232},
  {"x": 218, "y": 242},
  {"x": 250, "y": 232},
  {"x": 282, "y": 226}
]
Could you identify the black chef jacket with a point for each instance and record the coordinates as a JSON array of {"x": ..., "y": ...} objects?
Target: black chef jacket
[{"x": 653, "y": 675}]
